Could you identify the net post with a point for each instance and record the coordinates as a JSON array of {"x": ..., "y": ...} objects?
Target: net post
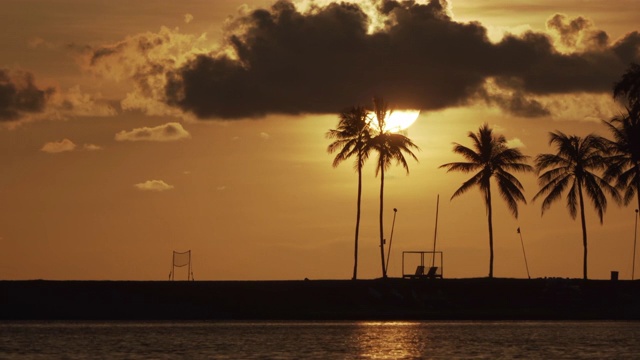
[
  {"x": 190, "y": 272},
  {"x": 173, "y": 265}
]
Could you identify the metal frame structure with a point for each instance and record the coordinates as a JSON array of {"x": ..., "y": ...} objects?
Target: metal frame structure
[
  {"x": 436, "y": 273},
  {"x": 174, "y": 266}
]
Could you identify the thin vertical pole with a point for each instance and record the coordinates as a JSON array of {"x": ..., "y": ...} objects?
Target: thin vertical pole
[
  {"x": 635, "y": 237},
  {"x": 190, "y": 272},
  {"x": 173, "y": 265},
  {"x": 393, "y": 225},
  {"x": 523, "y": 253},
  {"x": 435, "y": 233}
]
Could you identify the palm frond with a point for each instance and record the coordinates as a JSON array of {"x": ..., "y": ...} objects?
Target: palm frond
[
  {"x": 510, "y": 191},
  {"x": 572, "y": 199},
  {"x": 474, "y": 180},
  {"x": 467, "y": 153},
  {"x": 553, "y": 190},
  {"x": 460, "y": 166}
]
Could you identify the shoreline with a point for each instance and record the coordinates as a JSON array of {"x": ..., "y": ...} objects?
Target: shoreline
[{"x": 376, "y": 299}]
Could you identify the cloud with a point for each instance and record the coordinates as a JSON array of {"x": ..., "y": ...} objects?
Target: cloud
[
  {"x": 55, "y": 147},
  {"x": 172, "y": 131},
  {"x": 290, "y": 59},
  {"x": 287, "y": 61},
  {"x": 20, "y": 96},
  {"x": 188, "y": 18},
  {"x": 36, "y": 42},
  {"x": 153, "y": 185},
  {"x": 73, "y": 102},
  {"x": 67, "y": 145},
  {"x": 512, "y": 101},
  {"x": 92, "y": 147},
  {"x": 576, "y": 34},
  {"x": 515, "y": 143},
  {"x": 144, "y": 59},
  {"x": 21, "y": 100}
]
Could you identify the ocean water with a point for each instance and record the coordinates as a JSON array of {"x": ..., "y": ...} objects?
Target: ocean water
[{"x": 320, "y": 340}]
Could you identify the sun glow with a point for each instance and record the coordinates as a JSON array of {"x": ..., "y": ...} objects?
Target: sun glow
[{"x": 399, "y": 120}]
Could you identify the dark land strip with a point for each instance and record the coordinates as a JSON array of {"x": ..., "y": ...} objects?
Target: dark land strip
[{"x": 378, "y": 299}]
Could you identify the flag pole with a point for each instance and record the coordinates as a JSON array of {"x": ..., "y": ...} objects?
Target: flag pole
[
  {"x": 435, "y": 233},
  {"x": 523, "y": 253},
  {"x": 393, "y": 225}
]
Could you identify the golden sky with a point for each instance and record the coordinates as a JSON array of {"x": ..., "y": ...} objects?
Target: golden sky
[{"x": 129, "y": 129}]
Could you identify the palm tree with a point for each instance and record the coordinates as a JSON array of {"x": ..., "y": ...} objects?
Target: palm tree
[
  {"x": 390, "y": 147},
  {"x": 624, "y": 164},
  {"x": 352, "y": 139},
  {"x": 628, "y": 89},
  {"x": 574, "y": 166},
  {"x": 492, "y": 158}
]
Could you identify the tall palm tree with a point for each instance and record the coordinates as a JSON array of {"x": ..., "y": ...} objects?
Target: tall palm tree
[
  {"x": 574, "y": 166},
  {"x": 391, "y": 147},
  {"x": 627, "y": 89},
  {"x": 492, "y": 158},
  {"x": 624, "y": 164},
  {"x": 352, "y": 139}
]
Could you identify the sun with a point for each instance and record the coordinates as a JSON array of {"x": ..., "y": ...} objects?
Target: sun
[{"x": 399, "y": 120}]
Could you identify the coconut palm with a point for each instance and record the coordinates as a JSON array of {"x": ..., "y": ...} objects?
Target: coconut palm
[
  {"x": 391, "y": 147},
  {"x": 491, "y": 158},
  {"x": 574, "y": 167},
  {"x": 352, "y": 139},
  {"x": 627, "y": 89},
  {"x": 624, "y": 164}
]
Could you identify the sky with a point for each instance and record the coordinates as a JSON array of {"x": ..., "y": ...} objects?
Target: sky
[{"x": 132, "y": 129}]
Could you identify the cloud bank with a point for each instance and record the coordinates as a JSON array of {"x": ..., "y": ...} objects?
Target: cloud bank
[{"x": 318, "y": 60}]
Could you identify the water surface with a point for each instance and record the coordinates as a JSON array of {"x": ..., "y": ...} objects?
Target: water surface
[{"x": 320, "y": 340}]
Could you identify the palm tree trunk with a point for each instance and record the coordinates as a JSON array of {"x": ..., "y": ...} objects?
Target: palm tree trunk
[
  {"x": 384, "y": 270},
  {"x": 584, "y": 233},
  {"x": 355, "y": 255},
  {"x": 489, "y": 219},
  {"x": 638, "y": 183}
]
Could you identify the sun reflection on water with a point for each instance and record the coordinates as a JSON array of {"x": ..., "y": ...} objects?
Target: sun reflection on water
[{"x": 390, "y": 340}]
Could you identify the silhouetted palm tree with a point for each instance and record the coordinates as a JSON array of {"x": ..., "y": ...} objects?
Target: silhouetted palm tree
[
  {"x": 574, "y": 166},
  {"x": 628, "y": 89},
  {"x": 352, "y": 140},
  {"x": 390, "y": 147},
  {"x": 492, "y": 158},
  {"x": 623, "y": 165}
]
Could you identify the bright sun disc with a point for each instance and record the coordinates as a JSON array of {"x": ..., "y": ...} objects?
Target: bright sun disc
[{"x": 401, "y": 119}]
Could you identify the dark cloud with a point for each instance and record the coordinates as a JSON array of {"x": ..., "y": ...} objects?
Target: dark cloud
[
  {"x": 19, "y": 95},
  {"x": 282, "y": 60},
  {"x": 518, "y": 104},
  {"x": 578, "y": 32}
]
